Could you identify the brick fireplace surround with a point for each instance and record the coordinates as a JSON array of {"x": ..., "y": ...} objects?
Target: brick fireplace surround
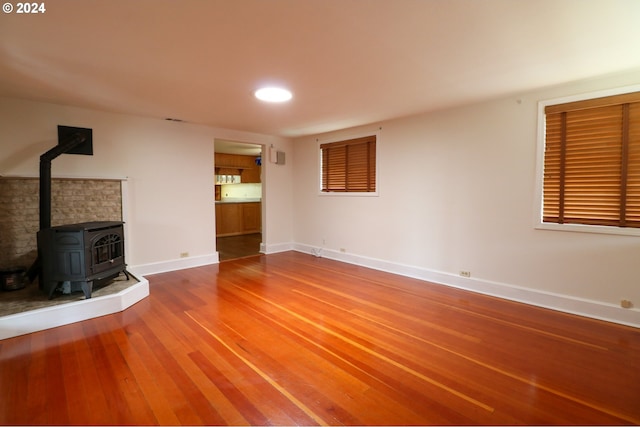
[{"x": 72, "y": 201}]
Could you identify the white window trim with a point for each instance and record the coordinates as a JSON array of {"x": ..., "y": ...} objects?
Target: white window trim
[
  {"x": 538, "y": 223},
  {"x": 344, "y": 138}
]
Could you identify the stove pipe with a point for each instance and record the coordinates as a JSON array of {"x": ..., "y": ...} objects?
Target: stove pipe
[{"x": 71, "y": 140}]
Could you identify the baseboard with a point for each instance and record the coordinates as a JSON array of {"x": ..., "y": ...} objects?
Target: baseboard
[
  {"x": 565, "y": 303},
  {"x": 174, "y": 264},
  {"x": 51, "y": 317},
  {"x": 27, "y": 322},
  {"x": 275, "y": 248}
]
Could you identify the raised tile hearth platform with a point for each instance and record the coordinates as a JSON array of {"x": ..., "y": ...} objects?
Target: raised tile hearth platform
[{"x": 30, "y": 310}]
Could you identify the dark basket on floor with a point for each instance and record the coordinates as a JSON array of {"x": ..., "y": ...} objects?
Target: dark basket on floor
[{"x": 12, "y": 279}]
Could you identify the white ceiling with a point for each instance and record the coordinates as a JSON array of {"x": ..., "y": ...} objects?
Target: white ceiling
[
  {"x": 233, "y": 147},
  {"x": 348, "y": 62}
]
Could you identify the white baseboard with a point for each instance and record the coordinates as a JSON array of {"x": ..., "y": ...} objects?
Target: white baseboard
[
  {"x": 27, "y": 322},
  {"x": 275, "y": 248},
  {"x": 173, "y": 264},
  {"x": 565, "y": 303},
  {"x": 51, "y": 317}
]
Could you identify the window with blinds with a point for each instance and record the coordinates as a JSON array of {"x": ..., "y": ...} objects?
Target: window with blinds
[
  {"x": 349, "y": 166},
  {"x": 592, "y": 162}
]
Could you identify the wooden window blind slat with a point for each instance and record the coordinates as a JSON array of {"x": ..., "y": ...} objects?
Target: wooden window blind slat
[
  {"x": 592, "y": 162},
  {"x": 625, "y": 98},
  {"x": 349, "y": 166},
  {"x": 633, "y": 167}
]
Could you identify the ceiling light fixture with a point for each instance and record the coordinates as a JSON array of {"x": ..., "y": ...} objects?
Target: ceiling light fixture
[{"x": 273, "y": 94}]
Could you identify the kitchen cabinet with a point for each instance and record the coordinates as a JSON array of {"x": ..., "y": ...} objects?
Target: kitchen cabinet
[
  {"x": 228, "y": 219},
  {"x": 251, "y": 217},
  {"x": 235, "y": 164},
  {"x": 251, "y": 175},
  {"x": 235, "y": 218},
  {"x": 231, "y": 161}
]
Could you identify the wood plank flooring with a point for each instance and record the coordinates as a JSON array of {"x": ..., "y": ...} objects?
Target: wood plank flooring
[
  {"x": 290, "y": 339},
  {"x": 233, "y": 247}
]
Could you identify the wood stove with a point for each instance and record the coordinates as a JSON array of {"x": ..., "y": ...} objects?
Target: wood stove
[{"x": 73, "y": 256}]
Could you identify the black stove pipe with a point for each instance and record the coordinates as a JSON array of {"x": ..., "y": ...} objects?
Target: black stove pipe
[
  {"x": 45, "y": 176},
  {"x": 75, "y": 139}
]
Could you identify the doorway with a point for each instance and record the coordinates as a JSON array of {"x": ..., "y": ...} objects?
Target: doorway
[{"x": 238, "y": 198}]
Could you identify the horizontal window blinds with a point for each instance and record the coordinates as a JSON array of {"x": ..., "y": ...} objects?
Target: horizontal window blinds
[
  {"x": 592, "y": 162},
  {"x": 349, "y": 166}
]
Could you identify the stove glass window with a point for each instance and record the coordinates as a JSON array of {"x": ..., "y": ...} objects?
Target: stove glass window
[{"x": 107, "y": 248}]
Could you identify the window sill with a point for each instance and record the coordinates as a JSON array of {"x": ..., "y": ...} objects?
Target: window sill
[
  {"x": 347, "y": 194},
  {"x": 597, "y": 229}
]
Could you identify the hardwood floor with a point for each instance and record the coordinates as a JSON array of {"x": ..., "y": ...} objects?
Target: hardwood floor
[
  {"x": 290, "y": 339},
  {"x": 232, "y": 247}
]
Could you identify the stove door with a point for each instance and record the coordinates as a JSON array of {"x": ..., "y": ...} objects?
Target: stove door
[{"x": 106, "y": 252}]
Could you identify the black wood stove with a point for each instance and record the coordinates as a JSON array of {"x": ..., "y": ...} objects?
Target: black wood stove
[{"x": 74, "y": 255}]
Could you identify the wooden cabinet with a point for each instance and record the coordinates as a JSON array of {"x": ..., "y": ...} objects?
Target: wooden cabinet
[
  {"x": 251, "y": 175},
  {"x": 233, "y": 219},
  {"x": 228, "y": 219},
  {"x": 251, "y": 217},
  {"x": 223, "y": 160},
  {"x": 235, "y": 164}
]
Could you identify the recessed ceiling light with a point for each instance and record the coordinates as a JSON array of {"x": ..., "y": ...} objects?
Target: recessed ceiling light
[{"x": 273, "y": 94}]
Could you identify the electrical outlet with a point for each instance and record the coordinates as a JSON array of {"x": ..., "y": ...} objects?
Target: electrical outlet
[
  {"x": 184, "y": 254},
  {"x": 465, "y": 273}
]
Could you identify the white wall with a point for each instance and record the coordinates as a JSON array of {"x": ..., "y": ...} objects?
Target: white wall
[
  {"x": 456, "y": 192},
  {"x": 169, "y": 171}
]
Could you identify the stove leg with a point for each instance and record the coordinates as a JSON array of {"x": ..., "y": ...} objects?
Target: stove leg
[
  {"x": 34, "y": 271},
  {"x": 87, "y": 287},
  {"x": 52, "y": 288}
]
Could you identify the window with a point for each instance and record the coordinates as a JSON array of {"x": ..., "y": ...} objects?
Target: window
[
  {"x": 592, "y": 162},
  {"x": 349, "y": 166}
]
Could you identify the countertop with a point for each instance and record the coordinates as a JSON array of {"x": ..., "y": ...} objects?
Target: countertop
[{"x": 238, "y": 200}]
